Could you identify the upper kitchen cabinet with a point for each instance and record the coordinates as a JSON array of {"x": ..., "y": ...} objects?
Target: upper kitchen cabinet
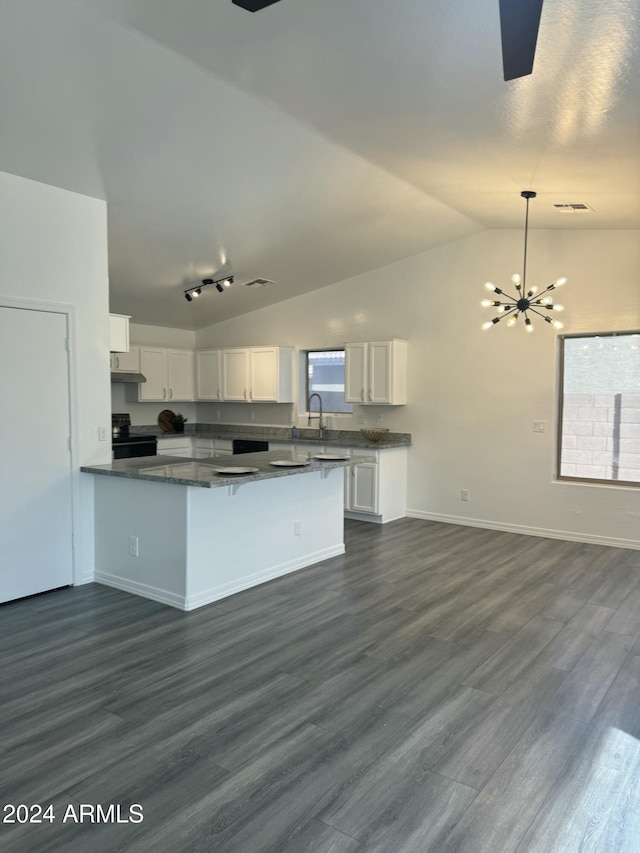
[
  {"x": 271, "y": 375},
  {"x": 376, "y": 372},
  {"x": 126, "y": 362},
  {"x": 169, "y": 374},
  {"x": 119, "y": 332},
  {"x": 209, "y": 374},
  {"x": 246, "y": 374},
  {"x": 235, "y": 375}
]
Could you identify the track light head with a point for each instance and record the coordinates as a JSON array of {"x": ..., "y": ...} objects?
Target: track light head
[
  {"x": 219, "y": 287},
  {"x": 188, "y": 296}
]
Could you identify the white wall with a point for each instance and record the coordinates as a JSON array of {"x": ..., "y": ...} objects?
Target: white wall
[
  {"x": 474, "y": 395},
  {"x": 53, "y": 248},
  {"x": 124, "y": 396}
]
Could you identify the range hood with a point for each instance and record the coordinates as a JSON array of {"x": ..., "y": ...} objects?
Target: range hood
[{"x": 135, "y": 378}]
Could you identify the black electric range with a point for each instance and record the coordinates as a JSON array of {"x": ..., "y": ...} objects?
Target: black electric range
[{"x": 126, "y": 446}]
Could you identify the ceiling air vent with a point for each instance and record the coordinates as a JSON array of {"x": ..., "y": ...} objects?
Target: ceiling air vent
[
  {"x": 573, "y": 207},
  {"x": 259, "y": 282}
]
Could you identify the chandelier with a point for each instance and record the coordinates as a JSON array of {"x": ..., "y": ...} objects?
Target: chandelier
[{"x": 525, "y": 302}]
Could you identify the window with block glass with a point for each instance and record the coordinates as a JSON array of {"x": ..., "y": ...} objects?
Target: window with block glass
[
  {"x": 600, "y": 408},
  {"x": 325, "y": 376}
]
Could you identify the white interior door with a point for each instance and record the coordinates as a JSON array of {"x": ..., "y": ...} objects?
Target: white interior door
[{"x": 35, "y": 498}]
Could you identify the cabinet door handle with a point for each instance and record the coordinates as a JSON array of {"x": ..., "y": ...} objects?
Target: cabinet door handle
[
  {"x": 117, "y": 361},
  {"x": 250, "y": 395},
  {"x": 164, "y": 393},
  {"x": 171, "y": 393},
  {"x": 245, "y": 393},
  {"x": 370, "y": 395},
  {"x": 362, "y": 395},
  {"x": 218, "y": 393}
]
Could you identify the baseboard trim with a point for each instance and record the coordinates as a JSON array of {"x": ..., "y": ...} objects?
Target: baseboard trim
[
  {"x": 567, "y": 535},
  {"x": 192, "y": 602},
  {"x": 142, "y": 589}
]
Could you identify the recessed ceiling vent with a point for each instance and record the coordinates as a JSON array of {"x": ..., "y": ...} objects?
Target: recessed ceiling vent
[
  {"x": 259, "y": 282},
  {"x": 573, "y": 207}
]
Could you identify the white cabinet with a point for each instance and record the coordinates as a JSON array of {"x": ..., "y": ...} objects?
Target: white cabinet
[
  {"x": 169, "y": 375},
  {"x": 235, "y": 374},
  {"x": 363, "y": 490},
  {"x": 377, "y": 491},
  {"x": 119, "y": 332},
  {"x": 246, "y": 374},
  {"x": 376, "y": 372},
  {"x": 126, "y": 362},
  {"x": 271, "y": 375},
  {"x": 175, "y": 447},
  {"x": 204, "y": 448},
  {"x": 209, "y": 374}
]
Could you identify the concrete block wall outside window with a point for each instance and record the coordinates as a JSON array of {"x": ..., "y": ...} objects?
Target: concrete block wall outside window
[{"x": 601, "y": 436}]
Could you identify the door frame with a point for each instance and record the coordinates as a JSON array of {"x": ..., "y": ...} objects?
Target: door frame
[{"x": 70, "y": 313}]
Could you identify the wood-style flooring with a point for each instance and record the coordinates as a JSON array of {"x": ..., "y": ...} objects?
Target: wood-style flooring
[{"x": 437, "y": 688}]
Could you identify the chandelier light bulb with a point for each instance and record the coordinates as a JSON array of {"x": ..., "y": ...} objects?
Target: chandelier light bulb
[
  {"x": 490, "y": 286},
  {"x": 558, "y": 307},
  {"x": 486, "y": 303},
  {"x": 487, "y": 325},
  {"x": 511, "y": 322},
  {"x": 516, "y": 279},
  {"x": 528, "y": 325},
  {"x": 561, "y": 281},
  {"x": 558, "y": 325},
  {"x": 546, "y": 301}
]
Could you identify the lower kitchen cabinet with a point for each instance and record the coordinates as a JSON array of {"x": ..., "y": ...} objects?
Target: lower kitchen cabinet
[
  {"x": 373, "y": 491},
  {"x": 194, "y": 448},
  {"x": 377, "y": 491},
  {"x": 175, "y": 447},
  {"x": 204, "y": 448}
]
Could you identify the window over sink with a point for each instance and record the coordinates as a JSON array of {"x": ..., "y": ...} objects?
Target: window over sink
[{"x": 325, "y": 376}]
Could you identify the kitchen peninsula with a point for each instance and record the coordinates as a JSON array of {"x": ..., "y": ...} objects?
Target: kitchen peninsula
[{"x": 181, "y": 532}]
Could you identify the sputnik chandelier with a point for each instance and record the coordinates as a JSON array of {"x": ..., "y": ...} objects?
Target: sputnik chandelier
[{"x": 525, "y": 301}]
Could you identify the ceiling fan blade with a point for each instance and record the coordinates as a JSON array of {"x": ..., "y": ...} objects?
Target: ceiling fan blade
[
  {"x": 519, "y": 23},
  {"x": 253, "y": 5}
]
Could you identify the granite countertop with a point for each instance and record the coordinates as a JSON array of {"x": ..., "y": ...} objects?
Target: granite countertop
[
  {"x": 201, "y": 472},
  {"x": 282, "y": 435}
]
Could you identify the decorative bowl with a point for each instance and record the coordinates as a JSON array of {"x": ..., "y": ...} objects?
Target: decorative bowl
[{"x": 375, "y": 433}]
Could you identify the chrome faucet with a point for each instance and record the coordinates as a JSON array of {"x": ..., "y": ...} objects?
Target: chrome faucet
[{"x": 320, "y": 421}]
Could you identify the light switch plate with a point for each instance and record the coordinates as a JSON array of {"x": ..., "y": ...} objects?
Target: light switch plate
[{"x": 539, "y": 426}]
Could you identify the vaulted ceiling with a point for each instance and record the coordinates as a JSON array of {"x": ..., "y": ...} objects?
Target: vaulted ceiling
[{"x": 312, "y": 141}]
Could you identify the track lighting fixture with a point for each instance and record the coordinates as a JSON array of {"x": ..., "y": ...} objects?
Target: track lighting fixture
[
  {"x": 220, "y": 284},
  {"x": 524, "y": 301}
]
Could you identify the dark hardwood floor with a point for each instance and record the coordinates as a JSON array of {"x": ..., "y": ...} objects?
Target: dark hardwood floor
[{"x": 437, "y": 688}]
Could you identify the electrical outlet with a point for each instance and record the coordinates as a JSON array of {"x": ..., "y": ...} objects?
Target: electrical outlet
[
  {"x": 464, "y": 494},
  {"x": 102, "y": 433},
  {"x": 133, "y": 546},
  {"x": 539, "y": 426},
  {"x": 297, "y": 528},
  {"x": 380, "y": 418}
]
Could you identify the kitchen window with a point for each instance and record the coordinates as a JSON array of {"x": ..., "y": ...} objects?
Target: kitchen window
[
  {"x": 599, "y": 421},
  {"x": 325, "y": 376}
]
